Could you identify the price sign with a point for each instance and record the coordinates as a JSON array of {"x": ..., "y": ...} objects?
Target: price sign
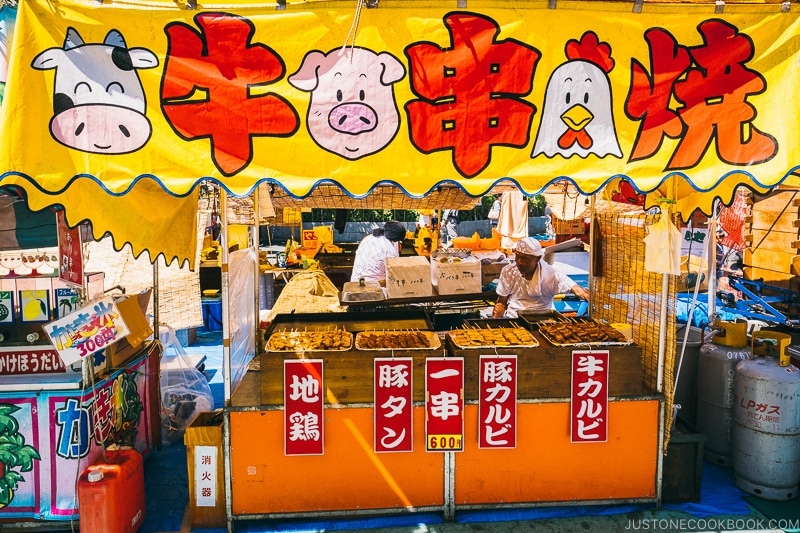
[
  {"x": 87, "y": 330},
  {"x": 444, "y": 404}
]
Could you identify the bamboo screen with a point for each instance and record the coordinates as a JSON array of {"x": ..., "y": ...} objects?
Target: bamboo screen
[{"x": 624, "y": 292}]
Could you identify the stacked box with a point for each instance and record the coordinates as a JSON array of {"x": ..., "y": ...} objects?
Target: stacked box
[
  {"x": 408, "y": 277},
  {"x": 456, "y": 276},
  {"x": 491, "y": 271}
]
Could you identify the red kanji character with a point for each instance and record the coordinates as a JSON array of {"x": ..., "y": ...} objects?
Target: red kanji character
[
  {"x": 649, "y": 97},
  {"x": 103, "y": 414},
  {"x": 461, "y": 107},
  {"x": 715, "y": 98},
  {"x": 221, "y": 61}
]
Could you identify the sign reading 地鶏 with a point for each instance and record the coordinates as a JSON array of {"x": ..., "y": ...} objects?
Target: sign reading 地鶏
[{"x": 303, "y": 407}]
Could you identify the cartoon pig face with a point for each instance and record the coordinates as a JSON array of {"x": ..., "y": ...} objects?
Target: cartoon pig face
[{"x": 352, "y": 111}]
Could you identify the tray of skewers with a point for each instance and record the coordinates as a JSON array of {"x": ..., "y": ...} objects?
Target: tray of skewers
[
  {"x": 470, "y": 337},
  {"x": 582, "y": 332},
  {"x": 397, "y": 340},
  {"x": 318, "y": 340}
]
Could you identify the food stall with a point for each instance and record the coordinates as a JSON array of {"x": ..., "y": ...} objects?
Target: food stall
[
  {"x": 468, "y": 99},
  {"x": 57, "y": 417},
  {"x": 538, "y": 466}
]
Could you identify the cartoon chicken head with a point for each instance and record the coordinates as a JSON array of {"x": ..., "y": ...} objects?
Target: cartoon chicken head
[{"x": 577, "y": 117}]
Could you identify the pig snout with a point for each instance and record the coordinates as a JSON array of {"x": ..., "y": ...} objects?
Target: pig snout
[{"x": 353, "y": 118}]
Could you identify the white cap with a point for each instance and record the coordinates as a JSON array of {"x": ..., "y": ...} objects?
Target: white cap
[
  {"x": 95, "y": 476},
  {"x": 529, "y": 246}
]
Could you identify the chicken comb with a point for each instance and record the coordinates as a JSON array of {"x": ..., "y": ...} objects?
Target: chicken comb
[{"x": 590, "y": 49}]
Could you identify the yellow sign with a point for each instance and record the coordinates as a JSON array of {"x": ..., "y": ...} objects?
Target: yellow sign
[{"x": 416, "y": 95}]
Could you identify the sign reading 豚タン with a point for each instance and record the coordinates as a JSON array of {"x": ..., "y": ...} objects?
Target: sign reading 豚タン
[
  {"x": 303, "y": 407},
  {"x": 87, "y": 330},
  {"x": 393, "y": 392},
  {"x": 589, "y": 396},
  {"x": 497, "y": 401},
  {"x": 444, "y": 404}
]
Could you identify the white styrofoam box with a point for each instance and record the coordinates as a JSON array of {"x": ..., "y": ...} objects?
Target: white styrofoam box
[
  {"x": 457, "y": 277},
  {"x": 408, "y": 277}
]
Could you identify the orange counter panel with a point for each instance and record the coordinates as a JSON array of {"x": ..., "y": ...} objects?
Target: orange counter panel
[
  {"x": 349, "y": 476},
  {"x": 546, "y": 467}
]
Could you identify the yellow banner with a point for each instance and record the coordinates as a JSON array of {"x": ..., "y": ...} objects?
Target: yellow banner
[{"x": 408, "y": 93}]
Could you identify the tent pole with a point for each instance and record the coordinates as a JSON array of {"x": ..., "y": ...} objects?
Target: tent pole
[
  {"x": 255, "y": 235},
  {"x": 592, "y": 229},
  {"x": 662, "y": 332},
  {"x": 156, "y": 317},
  {"x": 226, "y": 343}
]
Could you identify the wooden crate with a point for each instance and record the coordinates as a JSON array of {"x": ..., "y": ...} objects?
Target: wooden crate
[
  {"x": 772, "y": 239},
  {"x": 683, "y": 464}
]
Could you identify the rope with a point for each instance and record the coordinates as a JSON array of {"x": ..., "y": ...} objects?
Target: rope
[{"x": 353, "y": 28}]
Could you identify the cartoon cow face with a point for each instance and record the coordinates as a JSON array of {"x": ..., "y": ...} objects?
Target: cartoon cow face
[
  {"x": 98, "y": 100},
  {"x": 352, "y": 112}
]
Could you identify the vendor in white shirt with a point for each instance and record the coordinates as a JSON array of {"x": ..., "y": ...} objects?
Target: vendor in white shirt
[
  {"x": 529, "y": 284},
  {"x": 370, "y": 261}
]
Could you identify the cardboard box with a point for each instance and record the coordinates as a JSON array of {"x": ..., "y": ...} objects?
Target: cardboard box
[
  {"x": 133, "y": 310},
  {"x": 491, "y": 271},
  {"x": 456, "y": 277},
  {"x": 408, "y": 277}
]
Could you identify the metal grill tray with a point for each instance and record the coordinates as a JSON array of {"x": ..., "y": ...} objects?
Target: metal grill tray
[
  {"x": 452, "y": 334},
  {"x": 533, "y": 319},
  {"x": 493, "y": 323},
  {"x": 433, "y": 340},
  {"x": 544, "y": 333},
  {"x": 299, "y": 336},
  {"x": 353, "y": 321}
]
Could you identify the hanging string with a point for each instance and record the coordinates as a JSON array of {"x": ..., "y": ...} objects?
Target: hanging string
[{"x": 353, "y": 29}]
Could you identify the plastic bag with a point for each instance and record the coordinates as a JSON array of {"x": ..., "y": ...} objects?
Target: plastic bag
[
  {"x": 662, "y": 253},
  {"x": 185, "y": 392}
]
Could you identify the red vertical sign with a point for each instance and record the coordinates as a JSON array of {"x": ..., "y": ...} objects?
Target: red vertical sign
[
  {"x": 497, "y": 401},
  {"x": 70, "y": 252},
  {"x": 444, "y": 404},
  {"x": 393, "y": 391},
  {"x": 589, "y": 397},
  {"x": 303, "y": 390}
]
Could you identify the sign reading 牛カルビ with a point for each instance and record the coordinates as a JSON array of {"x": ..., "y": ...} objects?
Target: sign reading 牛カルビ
[
  {"x": 589, "y": 396},
  {"x": 427, "y": 94}
]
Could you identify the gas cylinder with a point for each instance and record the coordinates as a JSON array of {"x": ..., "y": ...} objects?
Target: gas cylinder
[
  {"x": 715, "y": 369},
  {"x": 766, "y": 420}
]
